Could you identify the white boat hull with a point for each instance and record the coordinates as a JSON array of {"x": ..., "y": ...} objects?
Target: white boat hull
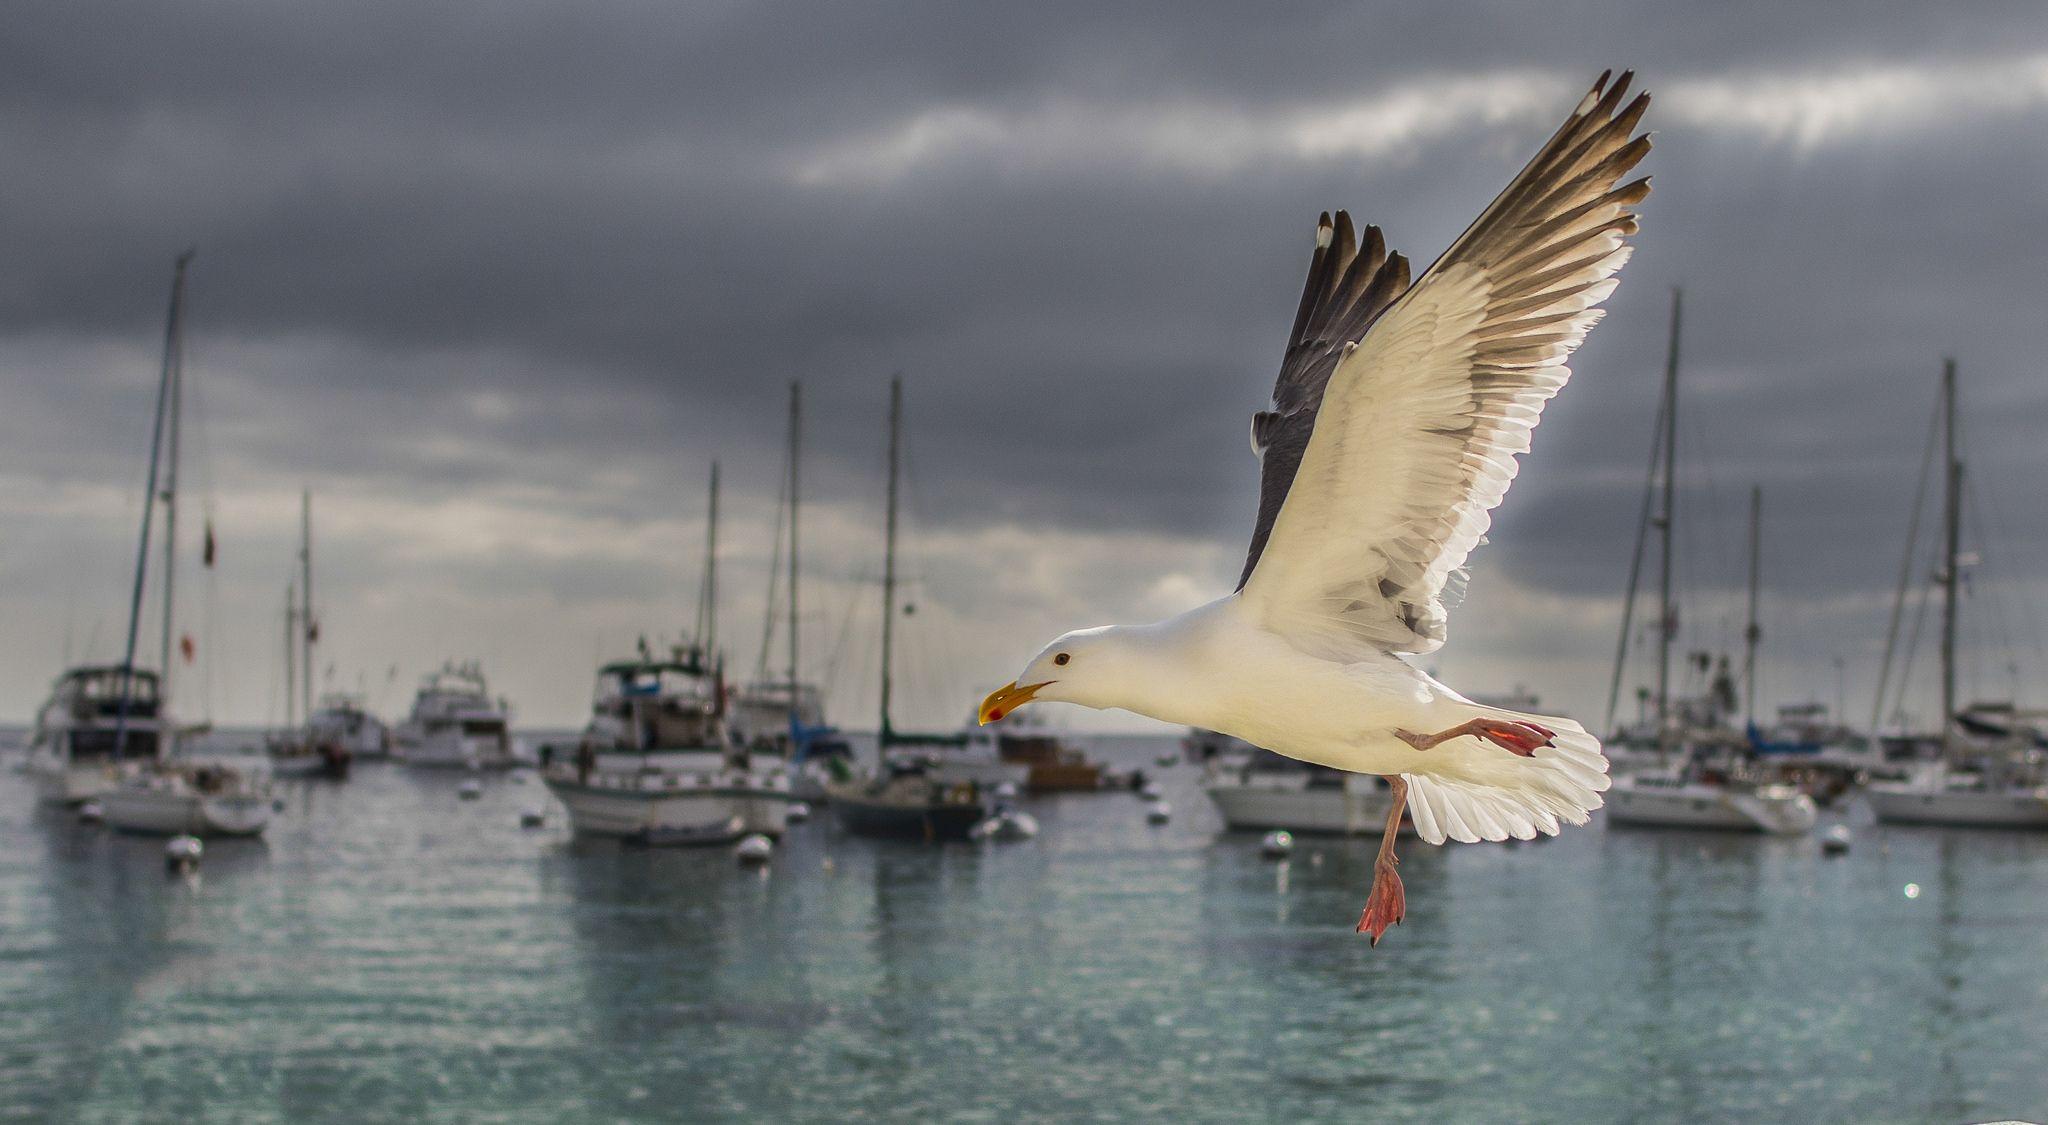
[
  {"x": 1995, "y": 808},
  {"x": 453, "y": 750},
  {"x": 673, "y": 808},
  {"x": 1358, "y": 808},
  {"x": 1778, "y": 810},
  {"x": 174, "y": 813}
]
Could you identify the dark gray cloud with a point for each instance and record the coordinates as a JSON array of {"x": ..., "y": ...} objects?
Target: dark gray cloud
[{"x": 549, "y": 260}]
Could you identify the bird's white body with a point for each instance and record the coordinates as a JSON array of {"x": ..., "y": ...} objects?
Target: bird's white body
[{"x": 1218, "y": 667}]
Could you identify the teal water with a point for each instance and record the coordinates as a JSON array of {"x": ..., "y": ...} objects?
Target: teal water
[{"x": 391, "y": 952}]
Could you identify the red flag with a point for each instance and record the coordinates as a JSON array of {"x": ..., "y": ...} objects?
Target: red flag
[
  {"x": 206, "y": 555},
  {"x": 187, "y": 649}
]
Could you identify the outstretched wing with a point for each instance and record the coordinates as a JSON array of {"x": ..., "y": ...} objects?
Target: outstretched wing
[
  {"x": 1348, "y": 288},
  {"x": 1414, "y": 439}
]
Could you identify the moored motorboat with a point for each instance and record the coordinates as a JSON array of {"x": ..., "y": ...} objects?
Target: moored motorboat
[
  {"x": 455, "y": 724},
  {"x": 82, "y": 740},
  {"x": 656, "y": 765}
]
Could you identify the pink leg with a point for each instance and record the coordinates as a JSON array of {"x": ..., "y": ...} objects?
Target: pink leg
[
  {"x": 1516, "y": 738},
  {"x": 1386, "y": 904}
]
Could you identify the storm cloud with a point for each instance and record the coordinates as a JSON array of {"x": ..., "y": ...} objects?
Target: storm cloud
[{"x": 497, "y": 283}]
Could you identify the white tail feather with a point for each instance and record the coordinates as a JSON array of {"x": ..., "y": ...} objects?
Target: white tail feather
[{"x": 1516, "y": 796}]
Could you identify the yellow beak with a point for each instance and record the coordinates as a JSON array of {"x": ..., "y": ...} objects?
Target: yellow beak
[{"x": 1006, "y": 699}]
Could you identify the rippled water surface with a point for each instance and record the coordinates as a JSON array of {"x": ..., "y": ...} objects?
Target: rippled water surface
[{"x": 393, "y": 952}]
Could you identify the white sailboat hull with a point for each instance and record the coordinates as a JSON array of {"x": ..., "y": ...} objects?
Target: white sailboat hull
[
  {"x": 173, "y": 813},
  {"x": 1778, "y": 810},
  {"x": 1993, "y": 808},
  {"x": 1358, "y": 808}
]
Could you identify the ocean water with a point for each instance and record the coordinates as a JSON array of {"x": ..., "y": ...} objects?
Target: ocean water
[{"x": 392, "y": 952}]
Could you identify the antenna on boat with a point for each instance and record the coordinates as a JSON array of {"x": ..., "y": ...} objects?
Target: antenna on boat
[{"x": 173, "y": 338}]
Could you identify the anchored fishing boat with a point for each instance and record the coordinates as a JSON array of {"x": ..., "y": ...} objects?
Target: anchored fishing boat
[{"x": 656, "y": 765}]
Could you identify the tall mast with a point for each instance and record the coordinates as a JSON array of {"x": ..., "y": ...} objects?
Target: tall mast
[
  {"x": 309, "y": 626},
  {"x": 707, "y": 604},
  {"x": 291, "y": 655},
  {"x": 1755, "y": 632},
  {"x": 795, "y": 443},
  {"x": 174, "y": 370},
  {"x": 1667, "y": 622},
  {"x": 1951, "y": 548},
  {"x": 889, "y": 552},
  {"x": 163, "y": 387}
]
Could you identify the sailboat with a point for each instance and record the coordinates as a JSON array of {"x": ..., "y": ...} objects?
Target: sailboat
[
  {"x": 2000, "y": 782},
  {"x": 656, "y": 765},
  {"x": 1698, "y": 773},
  {"x": 296, "y": 752},
  {"x": 151, "y": 790},
  {"x": 906, "y": 797},
  {"x": 100, "y": 718},
  {"x": 786, "y": 716}
]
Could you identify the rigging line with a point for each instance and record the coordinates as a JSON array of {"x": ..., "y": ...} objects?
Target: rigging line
[
  {"x": 1891, "y": 635},
  {"x": 1999, "y": 527},
  {"x": 1912, "y": 650},
  {"x": 1635, "y": 565},
  {"x": 1992, "y": 591}
]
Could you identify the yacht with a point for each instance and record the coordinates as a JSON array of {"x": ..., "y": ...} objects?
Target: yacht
[
  {"x": 178, "y": 798},
  {"x": 908, "y": 800},
  {"x": 79, "y": 743},
  {"x": 1261, "y": 792},
  {"x": 343, "y": 721},
  {"x": 657, "y": 766},
  {"x": 455, "y": 724}
]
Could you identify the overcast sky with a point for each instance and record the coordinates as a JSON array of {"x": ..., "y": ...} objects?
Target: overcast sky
[{"x": 498, "y": 281}]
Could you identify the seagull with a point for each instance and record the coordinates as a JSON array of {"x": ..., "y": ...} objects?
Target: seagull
[{"x": 1396, "y": 421}]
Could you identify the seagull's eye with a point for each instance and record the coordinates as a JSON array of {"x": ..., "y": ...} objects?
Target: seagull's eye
[{"x": 1061, "y": 659}]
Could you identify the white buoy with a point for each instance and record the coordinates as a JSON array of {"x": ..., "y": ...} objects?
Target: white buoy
[
  {"x": 1152, "y": 791},
  {"x": 91, "y": 813},
  {"x": 1006, "y": 791},
  {"x": 1158, "y": 812},
  {"x": 799, "y": 812},
  {"x": 1277, "y": 845},
  {"x": 754, "y": 849},
  {"x": 183, "y": 853},
  {"x": 471, "y": 789},
  {"x": 533, "y": 818},
  {"x": 1836, "y": 840}
]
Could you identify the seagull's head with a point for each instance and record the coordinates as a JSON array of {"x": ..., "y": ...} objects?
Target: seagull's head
[{"x": 1097, "y": 667}]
